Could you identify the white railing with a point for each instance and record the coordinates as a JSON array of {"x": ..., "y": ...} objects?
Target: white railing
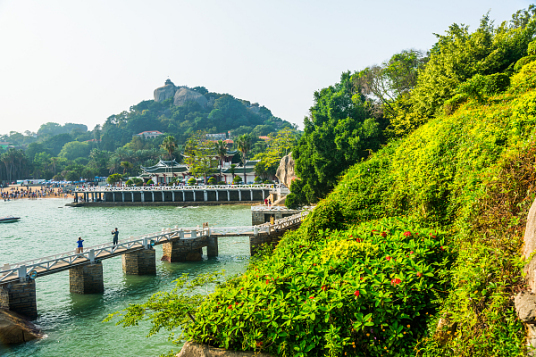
[
  {"x": 178, "y": 188},
  {"x": 61, "y": 261}
]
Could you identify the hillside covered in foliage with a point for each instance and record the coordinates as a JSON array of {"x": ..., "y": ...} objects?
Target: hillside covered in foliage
[
  {"x": 414, "y": 249},
  {"x": 71, "y": 151}
]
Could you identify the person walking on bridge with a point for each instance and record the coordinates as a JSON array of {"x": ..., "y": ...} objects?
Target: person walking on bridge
[
  {"x": 80, "y": 247},
  {"x": 116, "y": 237}
]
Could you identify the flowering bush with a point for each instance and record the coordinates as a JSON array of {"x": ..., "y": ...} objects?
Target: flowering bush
[{"x": 328, "y": 296}]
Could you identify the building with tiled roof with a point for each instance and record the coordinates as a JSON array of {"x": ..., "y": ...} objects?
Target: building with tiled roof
[{"x": 150, "y": 134}]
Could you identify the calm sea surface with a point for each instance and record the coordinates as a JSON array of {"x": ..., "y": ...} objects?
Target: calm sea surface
[{"x": 73, "y": 323}]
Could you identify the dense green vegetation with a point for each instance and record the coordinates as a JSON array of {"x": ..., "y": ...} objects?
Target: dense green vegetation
[
  {"x": 72, "y": 152},
  {"x": 371, "y": 107},
  {"x": 416, "y": 249}
]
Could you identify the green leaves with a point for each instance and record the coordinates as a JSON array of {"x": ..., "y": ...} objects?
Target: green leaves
[{"x": 303, "y": 296}]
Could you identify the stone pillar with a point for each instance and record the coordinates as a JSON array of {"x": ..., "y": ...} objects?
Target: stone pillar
[
  {"x": 217, "y": 195},
  {"x": 141, "y": 262},
  {"x": 113, "y": 196},
  {"x": 86, "y": 279},
  {"x": 152, "y": 192},
  {"x": 123, "y": 197},
  {"x": 228, "y": 196},
  {"x": 262, "y": 195},
  {"x": 173, "y": 195},
  {"x": 142, "y": 193},
  {"x": 174, "y": 251},
  {"x": 183, "y": 196},
  {"x": 205, "y": 195},
  {"x": 239, "y": 194},
  {"x": 212, "y": 247},
  {"x": 19, "y": 298},
  {"x": 132, "y": 194},
  {"x": 193, "y": 191},
  {"x": 163, "y": 197},
  {"x": 251, "y": 194}
]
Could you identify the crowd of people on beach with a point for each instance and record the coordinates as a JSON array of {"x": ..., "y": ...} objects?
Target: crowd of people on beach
[{"x": 13, "y": 193}]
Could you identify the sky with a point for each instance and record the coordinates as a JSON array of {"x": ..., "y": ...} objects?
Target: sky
[{"x": 82, "y": 61}]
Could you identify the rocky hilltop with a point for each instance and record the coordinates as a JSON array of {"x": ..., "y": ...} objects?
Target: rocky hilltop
[{"x": 180, "y": 94}]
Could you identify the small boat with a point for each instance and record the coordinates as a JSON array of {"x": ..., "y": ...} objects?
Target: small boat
[{"x": 9, "y": 219}]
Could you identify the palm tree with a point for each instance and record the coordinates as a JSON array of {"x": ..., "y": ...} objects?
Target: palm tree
[
  {"x": 125, "y": 165},
  {"x": 221, "y": 151},
  {"x": 114, "y": 164},
  {"x": 170, "y": 145},
  {"x": 244, "y": 145}
]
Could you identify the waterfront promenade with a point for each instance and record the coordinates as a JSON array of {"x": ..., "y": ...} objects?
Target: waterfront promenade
[{"x": 176, "y": 195}]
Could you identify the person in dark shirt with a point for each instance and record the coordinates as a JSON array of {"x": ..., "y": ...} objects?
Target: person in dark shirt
[
  {"x": 115, "y": 234},
  {"x": 80, "y": 247}
]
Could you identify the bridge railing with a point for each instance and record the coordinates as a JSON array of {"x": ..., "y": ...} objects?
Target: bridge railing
[{"x": 43, "y": 265}]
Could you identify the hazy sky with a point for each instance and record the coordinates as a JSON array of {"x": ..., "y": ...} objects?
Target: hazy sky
[{"x": 82, "y": 61}]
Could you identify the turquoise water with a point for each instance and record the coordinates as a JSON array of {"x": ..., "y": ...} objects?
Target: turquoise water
[{"x": 73, "y": 323}]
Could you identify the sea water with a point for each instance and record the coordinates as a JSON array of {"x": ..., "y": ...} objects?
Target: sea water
[{"x": 72, "y": 322}]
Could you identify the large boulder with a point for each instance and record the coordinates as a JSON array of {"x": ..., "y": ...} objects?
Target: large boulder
[
  {"x": 285, "y": 172},
  {"x": 165, "y": 92},
  {"x": 191, "y": 349},
  {"x": 184, "y": 95},
  {"x": 16, "y": 329}
]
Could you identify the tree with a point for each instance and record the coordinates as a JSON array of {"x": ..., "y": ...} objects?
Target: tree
[
  {"x": 279, "y": 145},
  {"x": 75, "y": 149},
  {"x": 339, "y": 132},
  {"x": 243, "y": 144},
  {"x": 114, "y": 178},
  {"x": 126, "y": 166},
  {"x": 113, "y": 164},
  {"x": 232, "y": 169},
  {"x": 198, "y": 154},
  {"x": 170, "y": 145},
  {"x": 221, "y": 149}
]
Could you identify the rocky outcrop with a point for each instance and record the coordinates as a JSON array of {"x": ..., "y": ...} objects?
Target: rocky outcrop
[
  {"x": 184, "y": 95},
  {"x": 191, "y": 349},
  {"x": 525, "y": 301},
  {"x": 165, "y": 92},
  {"x": 16, "y": 329},
  {"x": 285, "y": 172}
]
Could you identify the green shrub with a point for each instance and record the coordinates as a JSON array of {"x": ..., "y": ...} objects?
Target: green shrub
[
  {"x": 222, "y": 183},
  {"x": 367, "y": 291},
  {"x": 150, "y": 182},
  {"x": 531, "y": 51},
  {"x": 291, "y": 202},
  {"x": 258, "y": 179},
  {"x": 496, "y": 83},
  {"x": 523, "y": 61},
  {"x": 129, "y": 182},
  {"x": 454, "y": 103},
  {"x": 192, "y": 181},
  {"x": 237, "y": 179},
  {"x": 212, "y": 180}
]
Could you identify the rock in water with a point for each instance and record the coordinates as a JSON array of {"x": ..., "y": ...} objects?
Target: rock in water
[
  {"x": 16, "y": 329},
  {"x": 184, "y": 95},
  {"x": 165, "y": 92},
  {"x": 285, "y": 172}
]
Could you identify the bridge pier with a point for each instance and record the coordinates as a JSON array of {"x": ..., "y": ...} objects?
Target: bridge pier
[
  {"x": 19, "y": 298},
  {"x": 86, "y": 279},
  {"x": 212, "y": 247},
  {"x": 175, "y": 251},
  {"x": 141, "y": 262}
]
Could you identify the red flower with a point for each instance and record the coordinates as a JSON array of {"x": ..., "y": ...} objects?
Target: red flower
[
  {"x": 419, "y": 274},
  {"x": 411, "y": 252},
  {"x": 267, "y": 281},
  {"x": 323, "y": 288},
  {"x": 442, "y": 248},
  {"x": 230, "y": 307},
  {"x": 356, "y": 293},
  {"x": 407, "y": 234},
  {"x": 383, "y": 234},
  {"x": 311, "y": 297},
  {"x": 358, "y": 240},
  {"x": 396, "y": 281},
  {"x": 351, "y": 236},
  {"x": 431, "y": 235},
  {"x": 388, "y": 258}
]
